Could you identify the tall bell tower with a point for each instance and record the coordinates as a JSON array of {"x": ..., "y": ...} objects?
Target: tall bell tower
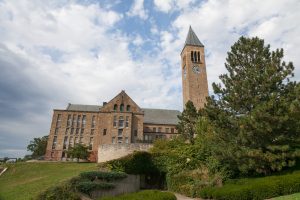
[{"x": 194, "y": 78}]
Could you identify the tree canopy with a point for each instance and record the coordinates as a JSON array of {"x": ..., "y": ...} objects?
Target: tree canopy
[
  {"x": 38, "y": 146},
  {"x": 255, "y": 110},
  {"x": 79, "y": 151}
]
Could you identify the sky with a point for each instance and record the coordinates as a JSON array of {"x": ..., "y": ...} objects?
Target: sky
[{"x": 86, "y": 51}]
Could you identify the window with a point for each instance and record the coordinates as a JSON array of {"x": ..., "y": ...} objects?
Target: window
[
  {"x": 80, "y": 140},
  {"x": 72, "y": 131},
  {"x": 81, "y": 131},
  {"x": 74, "y": 120},
  {"x": 69, "y": 121},
  {"x": 92, "y": 131},
  {"x": 121, "y": 122},
  {"x": 135, "y": 133},
  {"x": 115, "y": 121},
  {"x": 126, "y": 140},
  {"x": 77, "y": 131},
  {"x": 122, "y": 107},
  {"x": 167, "y": 130},
  {"x": 93, "y": 121},
  {"x": 172, "y": 130},
  {"x": 76, "y": 140},
  {"x": 58, "y": 122},
  {"x": 71, "y": 141},
  {"x": 159, "y": 129},
  {"x": 91, "y": 143},
  {"x": 104, "y": 131},
  {"x": 146, "y": 137},
  {"x": 154, "y": 129},
  {"x": 63, "y": 154},
  {"x": 113, "y": 140},
  {"x": 120, "y": 140},
  {"x": 192, "y": 56},
  {"x": 78, "y": 120},
  {"x": 67, "y": 131},
  {"x": 199, "y": 58},
  {"x": 65, "y": 142},
  {"x": 120, "y": 132},
  {"x": 56, "y": 131},
  {"x": 128, "y": 108},
  {"x": 127, "y": 121},
  {"x": 195, "y": 56},
  {"x": 83, "y": 121},
  {"x": 115, "y": 107},
  {"x": 54, "y": 142}
]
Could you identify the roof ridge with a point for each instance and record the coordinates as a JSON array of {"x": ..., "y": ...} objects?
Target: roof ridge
[{"x": 159, "y": 109}]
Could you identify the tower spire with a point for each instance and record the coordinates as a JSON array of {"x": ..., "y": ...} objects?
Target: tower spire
[{"x": 192, "y": 39}]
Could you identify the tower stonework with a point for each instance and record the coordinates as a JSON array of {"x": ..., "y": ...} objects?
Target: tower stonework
[{"x": 194, "y": 77}]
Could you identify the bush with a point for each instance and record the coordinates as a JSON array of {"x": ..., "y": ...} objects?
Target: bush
[
  {"x": 255, "y": 188},
  {"x": 144, "y": 195},
  {"x": 107, "y": 176},
  {"x": 139, "y": 162},
  {"x": 87, "y": 187},
  {"x": 63, "y": 191}
]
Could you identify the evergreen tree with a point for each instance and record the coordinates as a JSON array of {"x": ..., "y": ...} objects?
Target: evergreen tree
[
  {"x": 255, "y": 112},
  {"x": 187, "y": 122}
]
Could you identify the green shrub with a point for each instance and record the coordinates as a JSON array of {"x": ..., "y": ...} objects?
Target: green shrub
[
  {"x": 87, "y": 187},
  {"x": 144, "y": 195},
  {"x": 139, "y": 162},
  {"x": 254, "y": 188},
  {"x": 107, "y": 176},
  {"x": 64, "y": 191}
]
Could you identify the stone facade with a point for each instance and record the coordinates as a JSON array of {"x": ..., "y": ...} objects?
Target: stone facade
[
  {"x": 194, "y": 76},
  {"x": 121, "y": 120}
]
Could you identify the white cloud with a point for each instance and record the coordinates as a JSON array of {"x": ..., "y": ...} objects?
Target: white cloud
[
  {"x": 172, "y": 5},
  {"x": 137, "y": 9},
  {"x": 218, "y": 24}
]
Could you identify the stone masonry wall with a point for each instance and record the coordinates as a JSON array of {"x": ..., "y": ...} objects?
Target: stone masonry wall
[{"x": 108, "y": 152}]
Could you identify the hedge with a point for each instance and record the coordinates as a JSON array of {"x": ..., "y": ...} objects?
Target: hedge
[
  {"x": 255, "y": 188},
  {"x": 144, "y": 195},
  {"x": 107, "y": 176},
  {"x": 87, "y": 187},
  {"x": 63, "y": 191}
]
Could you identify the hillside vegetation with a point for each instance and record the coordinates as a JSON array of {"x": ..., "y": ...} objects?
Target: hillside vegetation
[{"x": 25, "y": 180}]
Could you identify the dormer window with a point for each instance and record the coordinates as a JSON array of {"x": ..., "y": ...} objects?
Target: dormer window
[
  {"x": 115, "y": 107},
  {"x": 122, "y": 107}
]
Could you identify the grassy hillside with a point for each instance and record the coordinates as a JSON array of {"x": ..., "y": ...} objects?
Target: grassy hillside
[
  {"x": 288, "y": 197},
  {"x": 24, "y": 181}
]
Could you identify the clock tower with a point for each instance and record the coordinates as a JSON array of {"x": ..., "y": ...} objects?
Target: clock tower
[{"x": 194, "y": 78}]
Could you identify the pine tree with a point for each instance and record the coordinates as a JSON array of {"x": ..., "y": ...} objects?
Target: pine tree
[
  {"x": 187, "y": 122},
  {"x": 255, "y": 111}
]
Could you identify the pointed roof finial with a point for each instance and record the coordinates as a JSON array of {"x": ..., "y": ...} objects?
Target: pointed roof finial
[{"x": 192, "y": 39}]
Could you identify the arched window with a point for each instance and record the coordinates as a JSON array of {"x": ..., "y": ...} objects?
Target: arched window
[
  {"x": 128, "y": 108},
  {"x": 122, "y": 107},
  {"x": 115, "y": 107},
  {"x": 192, "y": 56},
  {"x": 199, "y": 56},
  {"x": 195, "y": 56}
]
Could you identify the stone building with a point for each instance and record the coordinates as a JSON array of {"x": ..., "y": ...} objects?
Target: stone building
[{"x": 121, "y": 120}]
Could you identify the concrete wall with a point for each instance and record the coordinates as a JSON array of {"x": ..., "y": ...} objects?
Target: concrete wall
[
  {"x": 108, "y": 152},
  {"x": 127, "y": 185}
]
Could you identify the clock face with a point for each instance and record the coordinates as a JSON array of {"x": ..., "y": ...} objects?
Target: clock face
[{"x": 196, "y": 69}]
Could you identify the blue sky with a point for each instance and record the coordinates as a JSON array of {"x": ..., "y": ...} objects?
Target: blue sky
[{"x": 56, "y": 52}]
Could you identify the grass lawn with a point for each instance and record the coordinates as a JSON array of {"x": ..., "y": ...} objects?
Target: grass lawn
[
  {"x": 288, "y": 197},
  {"x": 24, "y": 181}
]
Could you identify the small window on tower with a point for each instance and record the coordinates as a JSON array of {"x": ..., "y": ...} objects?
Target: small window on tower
[
  {"x": 192, "y": 56},
  {"x": 199, "y": 56},
  {"x": 195, "y": 56}
]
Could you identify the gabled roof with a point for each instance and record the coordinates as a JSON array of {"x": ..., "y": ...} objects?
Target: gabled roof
[
  {"x": 192, "y": 39},
  {"x": 86, "y": 108},
  {"x": 160, "y": 116}
]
